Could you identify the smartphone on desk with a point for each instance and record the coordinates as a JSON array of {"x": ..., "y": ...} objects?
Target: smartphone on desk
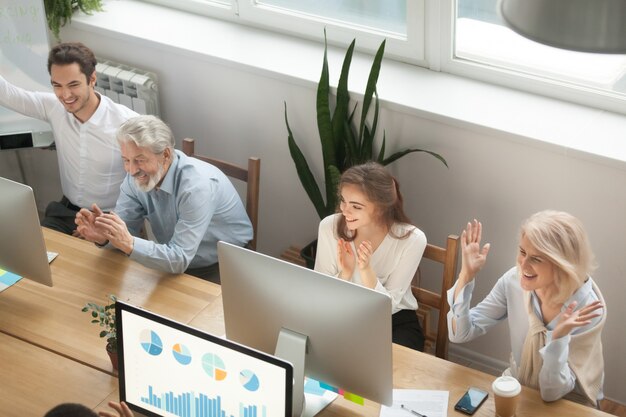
[{"x": 471, "y": 400}]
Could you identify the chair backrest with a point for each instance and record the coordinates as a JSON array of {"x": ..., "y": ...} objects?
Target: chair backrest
[
  {"x": 448, "y": 258},
  {"x": 251, "y": 176}
]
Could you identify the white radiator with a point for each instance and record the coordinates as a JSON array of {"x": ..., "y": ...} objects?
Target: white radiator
[{"x": 132, "y": 87}]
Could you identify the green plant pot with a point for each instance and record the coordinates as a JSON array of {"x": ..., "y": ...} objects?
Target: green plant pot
[{"x": 308, "y": 254}]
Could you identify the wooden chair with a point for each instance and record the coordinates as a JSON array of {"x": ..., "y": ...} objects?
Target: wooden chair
[
  {"x": 429, "y": 300},
  {"x": 251, "y": 176}
]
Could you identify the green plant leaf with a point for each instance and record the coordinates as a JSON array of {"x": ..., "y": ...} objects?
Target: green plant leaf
[
  {"x": 324, "y": 123},
  {"x": 350, "y": 145},
  {"x": 371, "y": 86},
  {"x": 381, "y": 154},
  {"x": 400, "y": 154},
  {"x": 341, "y": 107},
  {"x": 60, "y": 12},
  {"x": 368, "y": 139},
  {"x": 334, "y": 176},
  {"x": 304, "y": 172}
]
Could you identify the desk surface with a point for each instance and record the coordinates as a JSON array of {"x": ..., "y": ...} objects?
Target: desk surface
[
  {"x": 416, "y": 370},
  {"x": 52, "y": 317},
  {"x": 35, "y": 380},
  {"x": 46, "y": 324}
]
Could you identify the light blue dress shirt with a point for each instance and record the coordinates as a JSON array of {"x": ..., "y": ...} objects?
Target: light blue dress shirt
[{"x": 195, "y": 207}]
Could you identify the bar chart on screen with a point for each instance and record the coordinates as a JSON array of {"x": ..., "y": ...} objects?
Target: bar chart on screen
[{"x": 190, "y": 404}]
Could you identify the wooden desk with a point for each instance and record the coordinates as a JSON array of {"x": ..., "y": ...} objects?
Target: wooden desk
[
  {"x": 51, "y": 317},
  {"x": 35, "y": 380},
  {"x": 416, "y": 370}
]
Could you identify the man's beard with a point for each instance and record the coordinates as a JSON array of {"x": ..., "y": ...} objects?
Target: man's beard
[{"x": 152, "y": 181}]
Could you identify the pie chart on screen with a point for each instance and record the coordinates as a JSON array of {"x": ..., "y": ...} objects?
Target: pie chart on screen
[
  {"x": 151, "y": 342},
  {"x": 214, "y": 366},
  {"x": 181, "y": 354},
  {"x": 249, "y": 380}
]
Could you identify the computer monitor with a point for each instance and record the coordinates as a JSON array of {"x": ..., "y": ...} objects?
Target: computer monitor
[
  {"x": 170, "y": 369},
  {"x": 282, "y": 308},
  {"x": 22, "y": 248}
]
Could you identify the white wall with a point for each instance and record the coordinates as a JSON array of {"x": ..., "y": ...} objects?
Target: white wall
[{"x": 493, "y": 177}]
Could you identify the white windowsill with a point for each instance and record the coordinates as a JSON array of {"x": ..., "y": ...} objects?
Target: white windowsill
[{"x": 537, "y": 121}]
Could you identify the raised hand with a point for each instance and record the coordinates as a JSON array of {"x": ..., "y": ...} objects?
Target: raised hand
[
  {"x": 473, "y": 258},
  {"x": 346, "y": 259},
  {"x": 571, "y": 318}
]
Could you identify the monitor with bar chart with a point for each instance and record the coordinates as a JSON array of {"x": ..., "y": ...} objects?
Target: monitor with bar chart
[{"x": 169, "y": 369}]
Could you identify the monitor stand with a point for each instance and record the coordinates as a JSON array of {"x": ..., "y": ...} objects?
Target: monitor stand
[{"x": 291, "y": 346}]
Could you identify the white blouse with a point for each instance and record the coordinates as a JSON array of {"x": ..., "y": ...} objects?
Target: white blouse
[{"x": 394, "y": 261}]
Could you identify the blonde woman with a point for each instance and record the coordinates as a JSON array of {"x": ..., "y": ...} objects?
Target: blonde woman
[{"x": 554, "y": 308}]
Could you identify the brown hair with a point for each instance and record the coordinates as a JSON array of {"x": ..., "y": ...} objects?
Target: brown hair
[
  {"x": 382, "y": 189},
  {"x": 73, "y": 52}
]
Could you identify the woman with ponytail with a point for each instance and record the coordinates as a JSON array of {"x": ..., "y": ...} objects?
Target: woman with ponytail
[{"x": 371, "y": 242}]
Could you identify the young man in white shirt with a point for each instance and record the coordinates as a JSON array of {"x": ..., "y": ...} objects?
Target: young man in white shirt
[{"x": 84, "y": 125}]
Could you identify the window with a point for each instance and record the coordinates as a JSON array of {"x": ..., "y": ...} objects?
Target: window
[
  {"x": 463, "y": 37},
  {"x": 370, "y": 21},
  {"x": 483, "y": 47}
]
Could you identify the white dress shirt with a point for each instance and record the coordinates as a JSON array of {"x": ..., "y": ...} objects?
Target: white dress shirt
[{"x": 90, "y": 162}]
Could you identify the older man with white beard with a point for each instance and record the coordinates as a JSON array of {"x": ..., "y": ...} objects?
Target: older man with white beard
[{"x": 190, "y": 205}]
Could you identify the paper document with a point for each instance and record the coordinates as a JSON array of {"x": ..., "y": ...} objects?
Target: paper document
[{"x": 416, "y": 403}]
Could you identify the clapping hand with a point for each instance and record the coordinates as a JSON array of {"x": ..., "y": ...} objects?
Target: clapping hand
[
  {"x": 86, "y": 225},
  {"x": 115, "y": 231},
  {"x": 364, "y": 252},
  {"x": 345, "y": 259}
]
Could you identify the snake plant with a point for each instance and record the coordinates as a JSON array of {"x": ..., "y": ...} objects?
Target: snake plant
[{"x": 344, "y": 142}]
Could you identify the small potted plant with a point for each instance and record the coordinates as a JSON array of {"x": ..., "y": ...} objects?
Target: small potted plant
[
  {"x": 60, "y": 12},
  {"x": 104, "y": 316}
]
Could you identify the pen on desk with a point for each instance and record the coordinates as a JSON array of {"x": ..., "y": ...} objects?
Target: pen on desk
[{"x": 412, "y": 411}]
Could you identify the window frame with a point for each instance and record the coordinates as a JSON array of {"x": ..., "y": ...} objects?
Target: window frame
[
  {"x": 518, "y": 80},
  {"x": 410, "y": 49},
  {"x": 429, "y": 44}
]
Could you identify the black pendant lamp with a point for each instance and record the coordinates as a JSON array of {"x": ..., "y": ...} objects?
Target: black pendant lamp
[{"x": 580, "y": 25}]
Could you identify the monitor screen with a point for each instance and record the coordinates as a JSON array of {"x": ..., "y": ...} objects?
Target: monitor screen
[
  {"x": 22, "y": 247},
  {"x": 347, "y": 327},
  {"x": 170, "y": 369}
]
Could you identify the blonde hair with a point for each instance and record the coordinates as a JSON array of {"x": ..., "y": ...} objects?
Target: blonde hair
[{"x": 562, "y": 239}]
